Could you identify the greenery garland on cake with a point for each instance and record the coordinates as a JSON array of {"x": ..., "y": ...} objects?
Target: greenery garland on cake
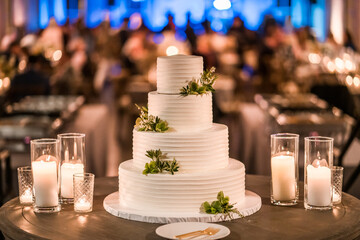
[
  {"x": 203, "y": 85},
  {"x": 221, "y": 205},
  {"x": 158, "y": 165},
  {"x": 150, "y": 123}
]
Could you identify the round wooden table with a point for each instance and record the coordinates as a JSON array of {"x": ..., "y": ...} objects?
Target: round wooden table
[{"x": 270, "y": 222}]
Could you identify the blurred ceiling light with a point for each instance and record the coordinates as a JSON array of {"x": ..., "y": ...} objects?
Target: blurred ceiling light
[
  {"x": 6, "y": 82},
  {"x": 339, "y": 64},
  {"x": 356, "y": 82},
  {"x": 180, "y": 36},
  {"x": 57, "y": 55},
  {"x": 158, "y": 38},
  {"x": 331, "y": 66},
  {"x": 135, "y": 21},
  {"x": 216, "y": 25},
  {"x": 348, "y": 80},
  {"x": 222, "y": 4},
  {"x": 314, "y": 58},
  {"x": 172, "y": 50},
  {"x": 22, "y": 65},
  {"x": 348, "y": 65}
]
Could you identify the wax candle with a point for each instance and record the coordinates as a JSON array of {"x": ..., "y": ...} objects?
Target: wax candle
[
  {"x": 67, "y": 172},
  {"x": 45, "y": 181},
  {"x": 26, "y": 197},
  {"x": 283, "y": 177},
  {"x": 319, "y": 188},
  {"x": 82, "y": 205}
]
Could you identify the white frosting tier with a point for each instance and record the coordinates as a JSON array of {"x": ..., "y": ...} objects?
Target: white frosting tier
[
  {"x": 200, "y": 151},
  {"x": 181, "y": 192},
  {"x": 182, "y": 113},
  {"x": 173, "y": 72}
]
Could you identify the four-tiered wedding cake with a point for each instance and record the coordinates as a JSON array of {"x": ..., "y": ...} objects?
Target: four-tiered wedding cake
[{"x": 200, "y": 147}]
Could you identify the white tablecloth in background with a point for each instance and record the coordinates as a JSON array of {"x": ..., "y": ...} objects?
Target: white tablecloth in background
[
  {"x": 96, "y": 122},
  {"x": 249, "y": 138}
]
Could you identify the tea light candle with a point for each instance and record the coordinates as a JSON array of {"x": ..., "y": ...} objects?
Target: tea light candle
[
  {"x": 26, "y": 197},
  {"x": 283, "y": 177},
  {"x": 82, "y": 205},
  {"x": 45, "y": 181},
  {"x": 319, "y": 188},
  {"x": 67, "y": 172}
]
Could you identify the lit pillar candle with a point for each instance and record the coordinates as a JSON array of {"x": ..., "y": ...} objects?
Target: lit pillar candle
[
  {"x": 67, "y": 172},
  {"x": 45, "y": 181},
  {"x": 283, "y": 177},
  {"x": 319, "y": 185}
]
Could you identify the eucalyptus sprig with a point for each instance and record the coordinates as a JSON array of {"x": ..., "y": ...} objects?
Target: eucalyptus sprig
[
  {"x": 221, "y": 205},
  {"x": 158, "y": 165},
  {"x": 200, "y": 86},
  {"x": 150, "y": 123}
]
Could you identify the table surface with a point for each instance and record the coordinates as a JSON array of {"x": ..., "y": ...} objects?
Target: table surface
[{"x": 270, "y": 222}]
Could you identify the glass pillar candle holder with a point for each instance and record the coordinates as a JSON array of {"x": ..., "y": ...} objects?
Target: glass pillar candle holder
[
  {"x": 45, "y": 169},
  {"x": 284, "y": 169},
  {"x": 337, "y": 180},
  {"x": 83, "y": 192},
  {"x": 72, "y": 155},
  {"x": 317, "y": 173},
  {"x": 25, "y": 185}
]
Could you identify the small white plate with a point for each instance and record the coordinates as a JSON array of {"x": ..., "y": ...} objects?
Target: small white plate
[{"x": 171, "y": 230}]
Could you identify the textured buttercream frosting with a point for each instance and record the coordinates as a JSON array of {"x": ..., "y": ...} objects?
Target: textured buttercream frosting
[
  {"x": 200, "y": 151},
  {"x": 181, "y": 192},
  {"x": 190, "y": 113},
  {"x": 174, "y": 72},
  {"x": 200, "y": 147}
]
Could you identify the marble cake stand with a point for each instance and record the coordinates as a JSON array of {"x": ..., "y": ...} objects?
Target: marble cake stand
[{"x": 112, "y": 204}]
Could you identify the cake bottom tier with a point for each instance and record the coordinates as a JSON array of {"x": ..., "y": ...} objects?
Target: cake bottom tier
[{"x": 181, "y": 192}]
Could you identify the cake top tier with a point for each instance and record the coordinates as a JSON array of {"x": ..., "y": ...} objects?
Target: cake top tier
[{"x": 174, "y": 72}]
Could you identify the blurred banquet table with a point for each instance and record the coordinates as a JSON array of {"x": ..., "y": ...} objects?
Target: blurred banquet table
[{"x": 270, "y": 222}]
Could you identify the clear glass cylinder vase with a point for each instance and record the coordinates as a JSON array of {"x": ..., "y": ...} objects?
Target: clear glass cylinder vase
[
  {"x": 284, "y": 169},
  {"x": 318, "y": 162},
  {"x": 45, "y": 169},
  {"x": 72, "y": 155}
]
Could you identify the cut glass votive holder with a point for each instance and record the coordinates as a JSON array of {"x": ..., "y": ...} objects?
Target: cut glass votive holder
[
  {"x": 83, "y": 192},
  {"x": 72, "y": 155},
  {"x": 318, "y": 162},
  {"x": 284, "y": 169},
  {"x": 337, "y": 181},
  {"x": 25, "y": 185}
]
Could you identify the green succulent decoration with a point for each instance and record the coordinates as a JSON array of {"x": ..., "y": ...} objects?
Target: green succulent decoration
[
  {"x": 200, "y": 86},
  {"x": 221, "y": 205},
  {"x": 150, "y": 123},
  {"x": 158, "y": 165}
]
